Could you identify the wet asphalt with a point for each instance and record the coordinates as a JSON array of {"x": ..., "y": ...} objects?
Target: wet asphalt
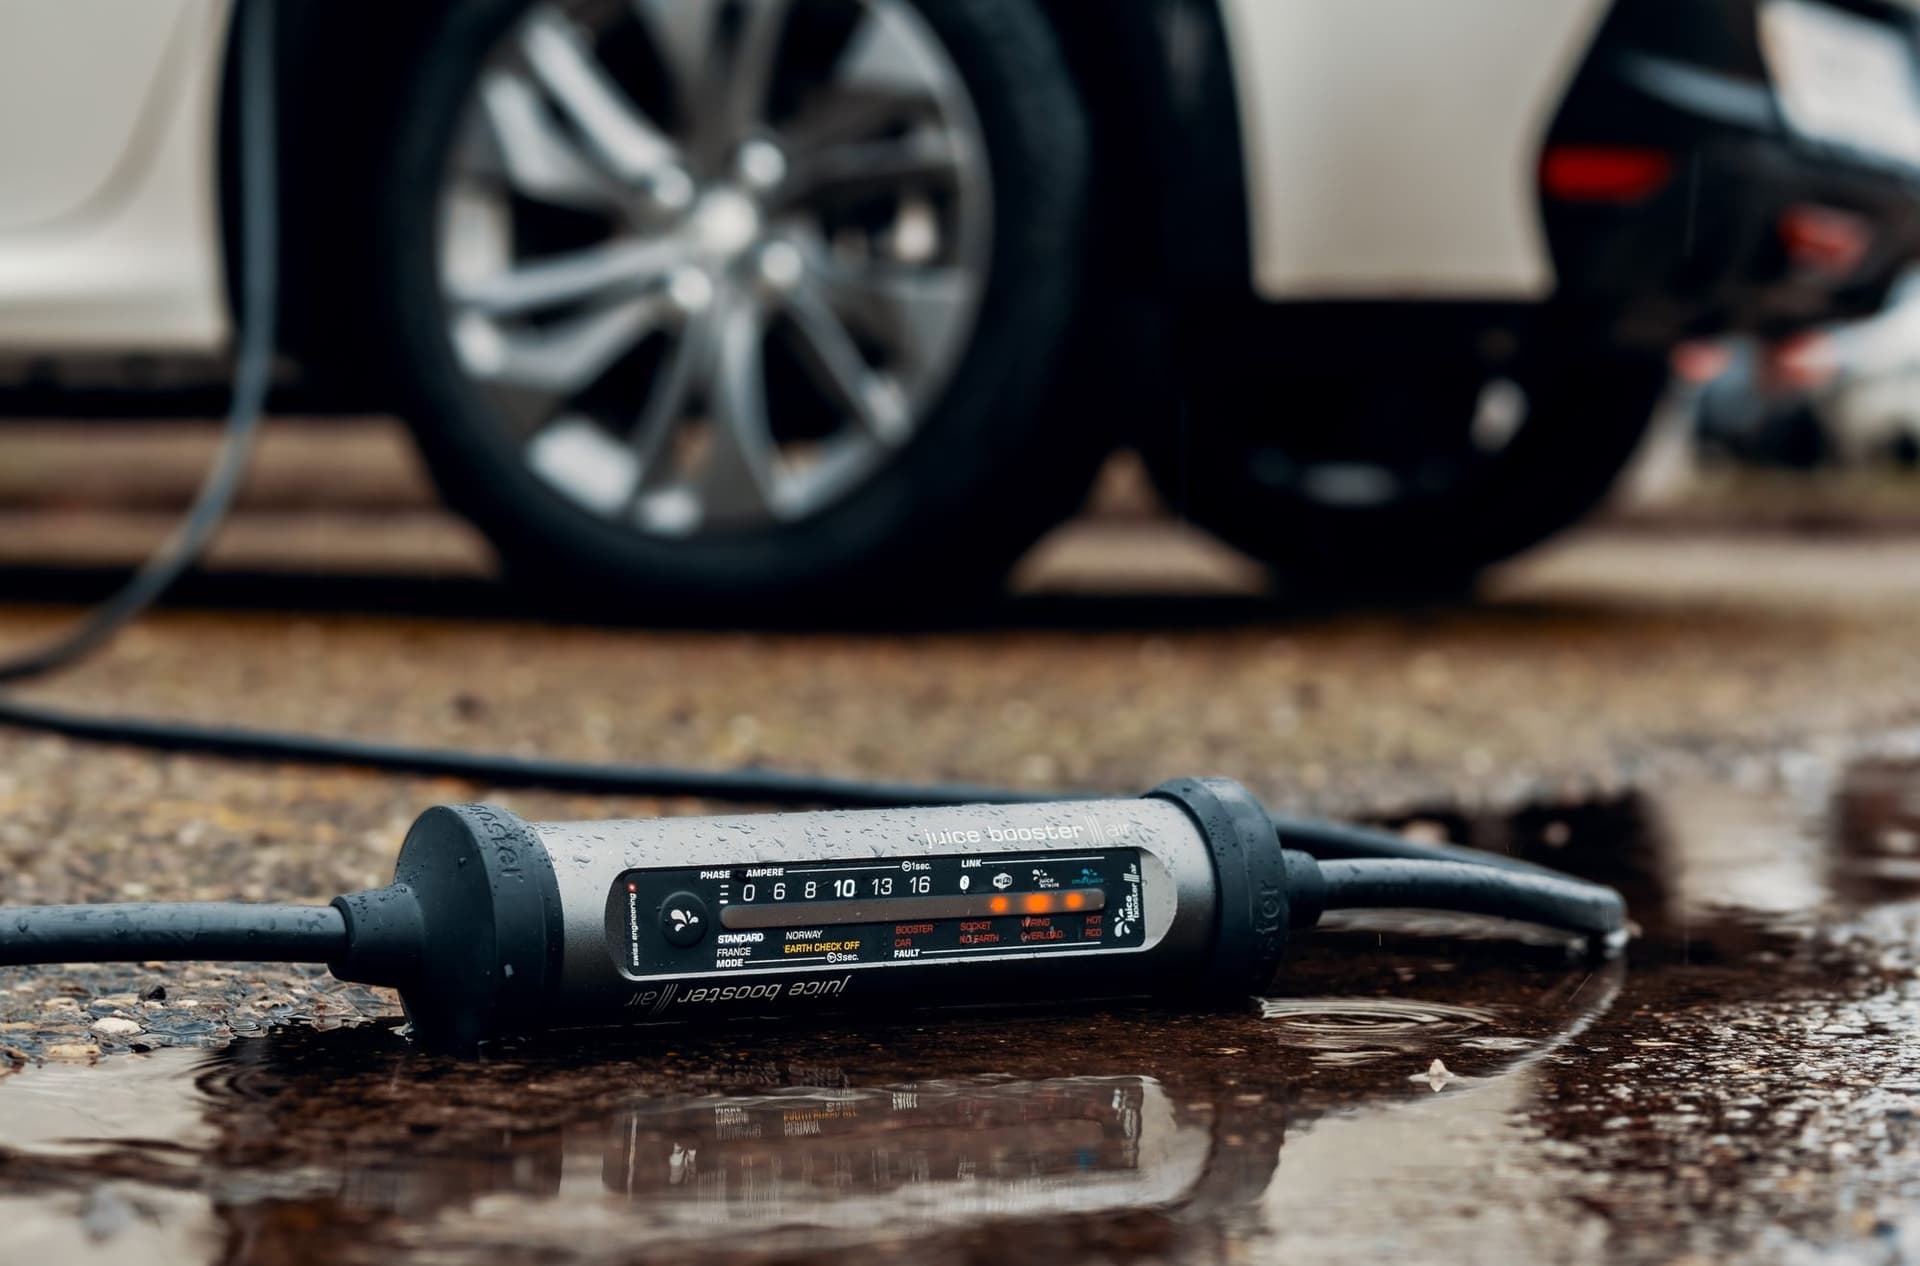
[{"x": 1724, "y": 724}]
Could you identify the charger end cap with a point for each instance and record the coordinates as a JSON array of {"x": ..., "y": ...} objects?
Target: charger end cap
[{"x": 1252, "y": 876}]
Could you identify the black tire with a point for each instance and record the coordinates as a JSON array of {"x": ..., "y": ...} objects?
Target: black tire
[
  {"x": 1583, "y": 422},
  {"x": 991, "y": 467}
]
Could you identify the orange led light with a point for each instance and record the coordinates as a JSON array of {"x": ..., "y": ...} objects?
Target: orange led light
[
  {"x": 1075, "y": 900},
  {"x": 1038, "y": 903},
  {"x": 998, "y": 905}
]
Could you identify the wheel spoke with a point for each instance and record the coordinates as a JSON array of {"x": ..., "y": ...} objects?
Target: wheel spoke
[
  {"x": 749, "y": 73},
  {"x": 563, "y": 359},
  {"x": 666, "y": 407},
  {"x": 722, "y": 85},
  {"x": 563, "y": 61},
  {"x": 896, "y": 165},
  {"x": 884, "y": 56},
  {"x": 836, "y": 364},
  {"x": 879, "y": 82},
  {"x": 916, "y": 160},
  {"x": 737, "y": 477},
  {"x": 911, "y": 310},
  {"x": 686, "y": 35},
  {"x": 573, "y": 454},
  {"x": 838, "y": 118},
  {"x": 538, "y": 159},
  {"x": 571, "y": 278}
]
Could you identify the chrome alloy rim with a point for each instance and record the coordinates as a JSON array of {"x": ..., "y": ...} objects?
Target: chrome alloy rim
[{"x": 713, "y": 261}]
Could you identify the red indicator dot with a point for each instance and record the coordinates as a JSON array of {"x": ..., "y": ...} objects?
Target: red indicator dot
[{"x": 633, "y": 887}]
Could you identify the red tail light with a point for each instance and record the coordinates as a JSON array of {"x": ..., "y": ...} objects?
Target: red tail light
[
  {"x": 1616, "y": 174},
  {"x": 1825, "y": 241}
]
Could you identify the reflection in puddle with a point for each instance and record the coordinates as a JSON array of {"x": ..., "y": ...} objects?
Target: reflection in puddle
[
  {"x": 918, "y": 1155},
  {"x": 802, "y": 1168},
  {"x": 1749, "y": 1077}
]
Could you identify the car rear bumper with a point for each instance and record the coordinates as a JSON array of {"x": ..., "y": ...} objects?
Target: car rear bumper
[{"x": 1714, "y": 246}]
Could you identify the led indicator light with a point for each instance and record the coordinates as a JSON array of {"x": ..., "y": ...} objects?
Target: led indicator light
[
  {"x": 998, "y": 905},
  {"x": 1038, "y": 903}
]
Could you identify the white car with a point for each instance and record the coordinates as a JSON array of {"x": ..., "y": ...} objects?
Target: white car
[{"x": 806, "y": 301}]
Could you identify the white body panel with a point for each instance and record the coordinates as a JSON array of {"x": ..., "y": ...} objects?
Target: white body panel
[
  {"x": 109, "y": 218},
  {"x": 1391, "y": 145}
]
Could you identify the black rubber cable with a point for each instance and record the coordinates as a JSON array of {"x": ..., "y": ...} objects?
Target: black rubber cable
[
  {"x": 1340, "y": 841},
  {"x": 750, "y": 786},
  {"x": 201, "y": 931},
  {"x": 1321, "y": 839},
  {"x": 1556, "y": 901}
]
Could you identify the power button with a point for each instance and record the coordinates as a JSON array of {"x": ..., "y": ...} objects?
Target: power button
[{"x": 683, "y": 919}]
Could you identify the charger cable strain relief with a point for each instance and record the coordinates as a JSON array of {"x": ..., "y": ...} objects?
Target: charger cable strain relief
[
  {"x": 1252, "y": 905},
  {"x": 1306, "y": 891},
  {"x": 386, "y": 937}
]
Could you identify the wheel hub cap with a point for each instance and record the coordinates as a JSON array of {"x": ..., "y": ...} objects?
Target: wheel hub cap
[{"x": 630, "y": 264}]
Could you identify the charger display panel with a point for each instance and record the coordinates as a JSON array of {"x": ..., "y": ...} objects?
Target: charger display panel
[{"x": 875, "y": 911}]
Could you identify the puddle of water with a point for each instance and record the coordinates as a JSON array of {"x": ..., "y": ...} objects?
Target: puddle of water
[
  {"x": 74, "y": 1108},
  {"x": 788, "y": 1142},
  {"x": 1746, "y": 1083},
  {"x": 92, "y": 1228}
]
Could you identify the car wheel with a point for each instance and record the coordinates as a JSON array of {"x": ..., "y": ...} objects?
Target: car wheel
[
  {"x": 1410, "y": 486},
  {"x": 729, "y": 300}
]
